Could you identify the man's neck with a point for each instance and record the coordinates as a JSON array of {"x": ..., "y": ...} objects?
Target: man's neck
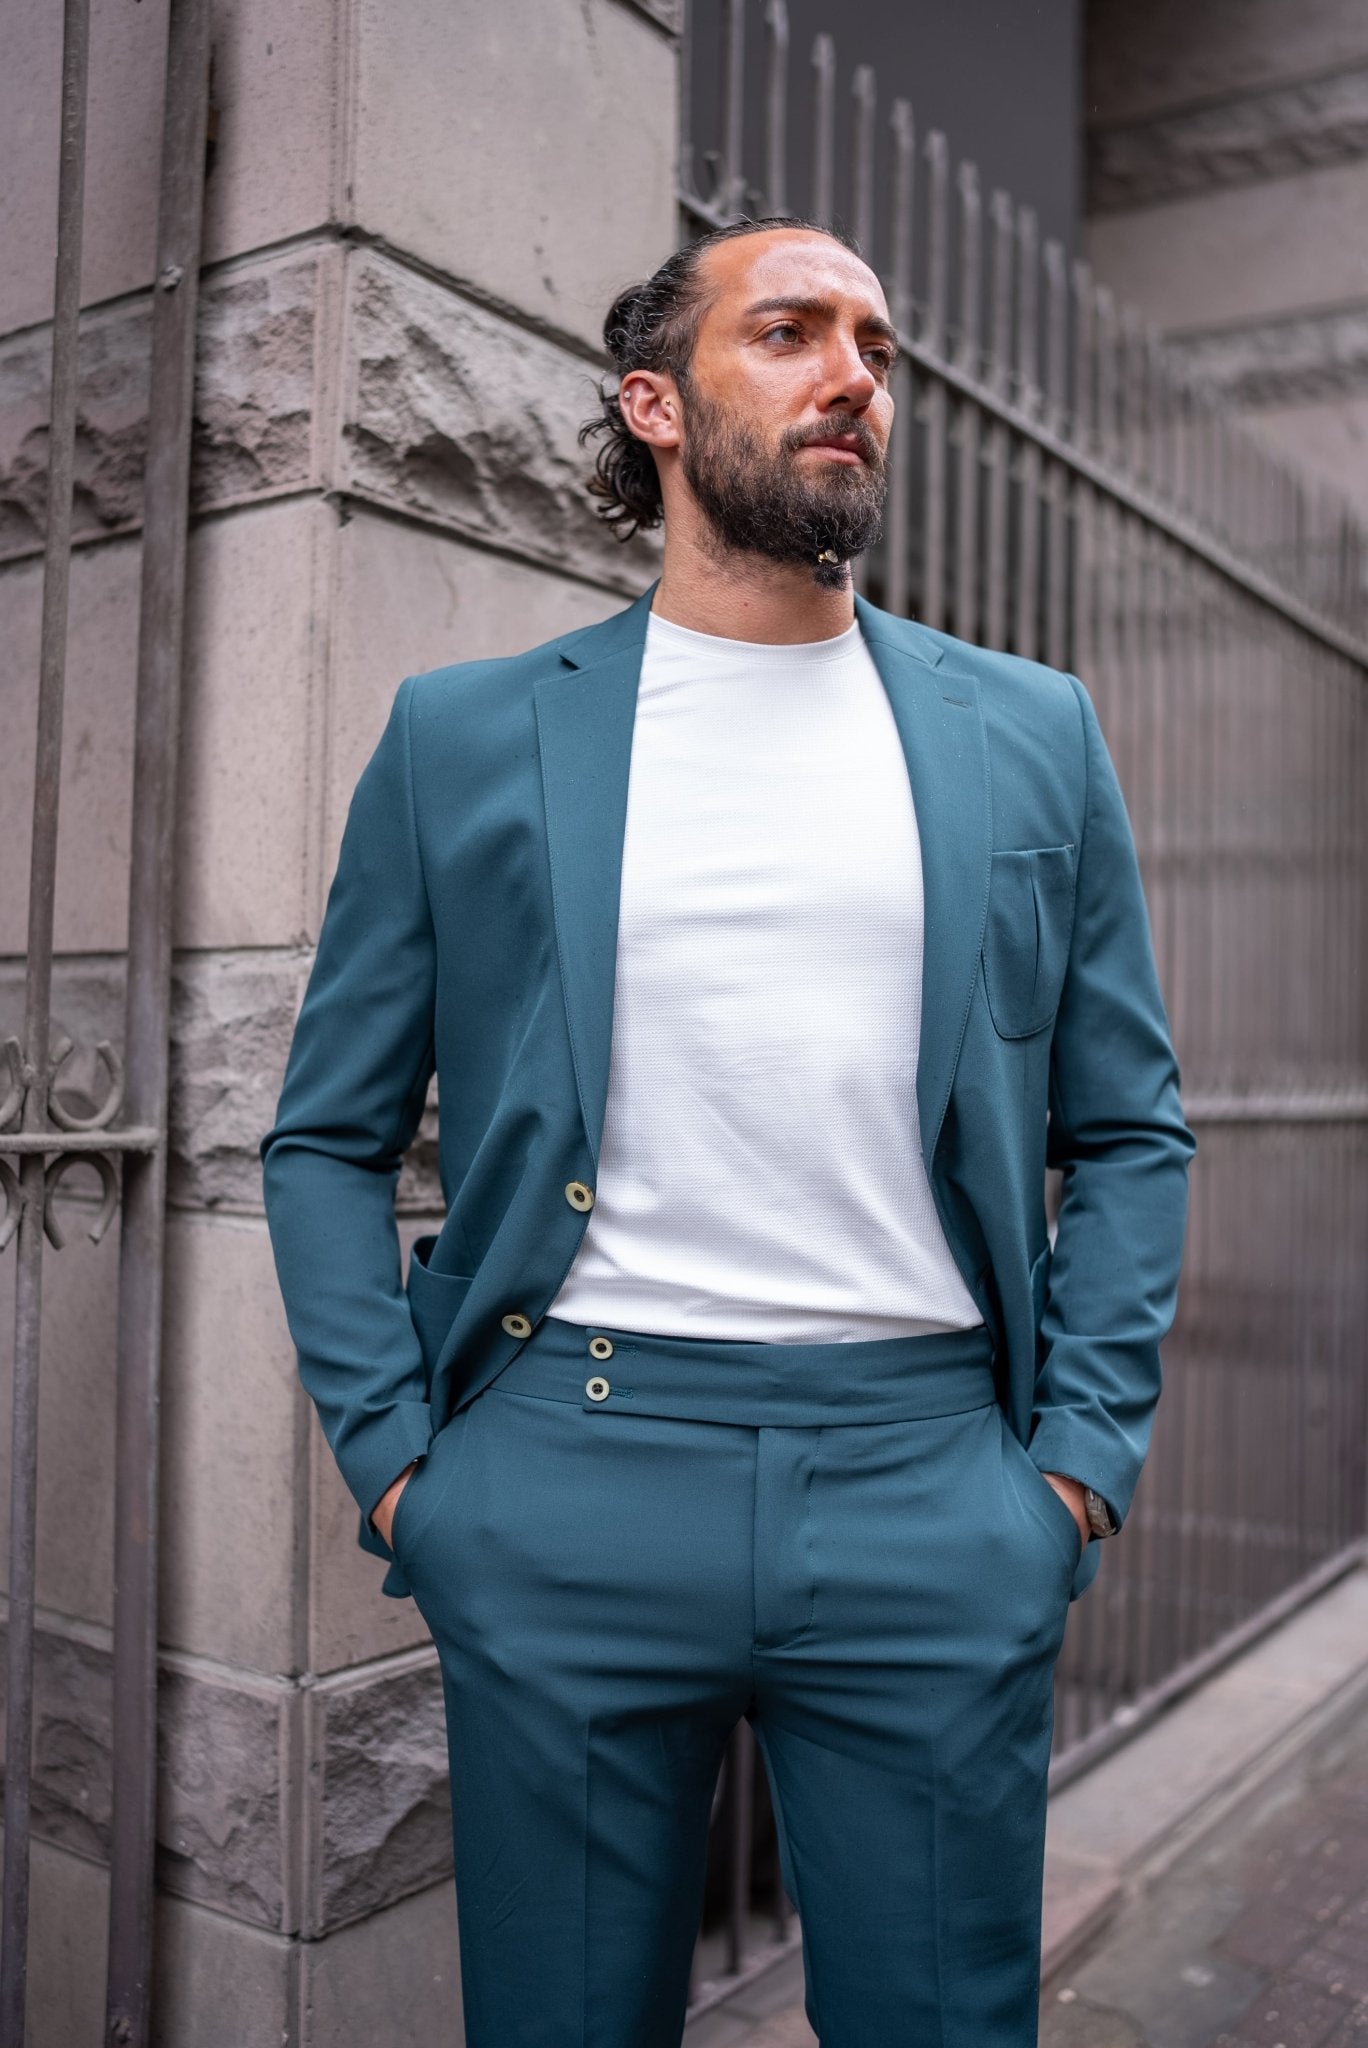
[{"x": 748, "y": 598}]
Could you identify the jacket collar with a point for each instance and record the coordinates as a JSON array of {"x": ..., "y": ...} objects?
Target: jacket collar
[{"x": 586, "y": 711}]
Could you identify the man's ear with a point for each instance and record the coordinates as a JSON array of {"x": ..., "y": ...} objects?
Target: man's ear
[{"x": 649, "y": 400}]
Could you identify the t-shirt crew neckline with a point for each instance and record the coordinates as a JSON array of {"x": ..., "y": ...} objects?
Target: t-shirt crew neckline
[{"x": 753, "y": 653}]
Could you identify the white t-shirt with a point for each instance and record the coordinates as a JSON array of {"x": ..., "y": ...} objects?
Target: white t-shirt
[{"x": 760, "y": 1175}]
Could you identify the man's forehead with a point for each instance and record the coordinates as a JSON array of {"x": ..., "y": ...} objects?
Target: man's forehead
[{"x": 789, "y": 264}]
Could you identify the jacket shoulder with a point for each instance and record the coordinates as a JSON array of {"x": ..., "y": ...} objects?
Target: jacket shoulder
[
  {"x": 458, "y": 683},
  {"x": 1012, "y": 689},
  {"x": 509, "y": 679}
]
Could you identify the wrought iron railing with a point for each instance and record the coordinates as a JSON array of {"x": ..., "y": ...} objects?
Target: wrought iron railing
[
  {"x": 1061, "y": 487},
  {"x": 47, "y": 1133}
]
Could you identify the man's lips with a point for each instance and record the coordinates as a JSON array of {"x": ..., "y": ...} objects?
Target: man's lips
[{"x": 845, "y": 448}]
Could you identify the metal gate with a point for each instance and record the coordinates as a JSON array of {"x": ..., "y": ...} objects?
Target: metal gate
[
  {"x": 1062, "y": 488},
  {"x": 45, "y": 1127}
]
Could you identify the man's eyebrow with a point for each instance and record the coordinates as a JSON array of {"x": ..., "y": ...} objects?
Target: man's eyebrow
[{"x": 819, "y": 309}]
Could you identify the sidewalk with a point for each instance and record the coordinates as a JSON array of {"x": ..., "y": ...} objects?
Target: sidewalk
[
  {"x": 1206, "y": 1886},
  {"x": 1258, "y": 1937}
]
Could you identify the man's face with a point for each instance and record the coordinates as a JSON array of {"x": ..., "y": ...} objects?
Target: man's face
[{"x": 786, "y": 407}]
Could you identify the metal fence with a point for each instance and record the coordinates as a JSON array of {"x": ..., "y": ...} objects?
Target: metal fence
[
  {"x": 45, "y": 1126},
  {"x": 1060, "y": 487}
]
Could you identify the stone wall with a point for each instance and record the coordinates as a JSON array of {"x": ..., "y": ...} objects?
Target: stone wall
[
  {"x": 412, "y": 230},
  {"x": 1227, "y": 192}
]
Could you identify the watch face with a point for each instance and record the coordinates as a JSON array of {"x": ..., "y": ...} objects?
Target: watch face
[{"x": 1099, "y": 1514}]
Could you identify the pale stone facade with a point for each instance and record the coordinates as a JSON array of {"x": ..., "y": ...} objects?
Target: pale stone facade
[
  {"x": 416, "y": 214},
  {"x": 1228, "y": 200}
]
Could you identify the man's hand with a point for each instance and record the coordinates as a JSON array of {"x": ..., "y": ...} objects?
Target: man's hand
[
  {"x": 382, "y": 1514},
  {"x": 1071, "y": 1491}
]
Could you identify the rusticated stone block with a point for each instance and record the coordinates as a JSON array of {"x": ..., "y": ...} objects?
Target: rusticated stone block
[
  {"x": 1238, "y": 141},
  {"x": 221, "y": 1805},
  {"x": 256, "y": 364},
  {"x": 432, "y": 421},
  {"x": 232, "y": 1016},
  {"x": 232, "y": 1779},
  {"x": 386, "y": 1819},
  {"x": 72, "y": 1743},
  {"x": 110, "y": 427},
  {"x": 231, "y": 1019},
  {"x": 438, "y": 423},
  {"x": 220, "y": 1798},
  {"x": 255, "y": 402}
]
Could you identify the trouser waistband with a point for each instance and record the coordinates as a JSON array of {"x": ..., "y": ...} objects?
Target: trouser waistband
[{"x": 800, "y": 1386}]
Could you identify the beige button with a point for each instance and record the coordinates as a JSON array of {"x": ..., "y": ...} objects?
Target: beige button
[
  {"x": 600, "y": 1347},
  {"x": 517, "y": 1326},
  {"x": 597, "y": 1390},
  {"x": 578, "y": 1195}
]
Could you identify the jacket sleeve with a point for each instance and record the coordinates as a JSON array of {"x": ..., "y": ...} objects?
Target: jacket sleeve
[
  {"x": 1118, "y": 1134},
  {"x": 354, "y": 1088}
]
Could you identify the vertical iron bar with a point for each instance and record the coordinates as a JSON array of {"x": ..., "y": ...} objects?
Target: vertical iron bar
[
  {"x": 823, "y": 130},
  {"x": 898, "y": 545},
  {"x": 776, "y": 106},
  {"x": 740, "y": 1809},
  {"x": 967, "y": 421},
  {"x": 1106, "y": 517},
  {"x": 864, "y": 95},
  {"x": 731, "y": 190},
  {"x": 1107, "y": 1632},
  {"x": 937, "y": 398},
  {"x": 1082, "y": 658},
  {"x": 156, "y": 732},
  {"x": 999, "y": 444},
  {"x": 1056, "y": 387},
  {"x": 28, "y": 1291},
  {"x": 1026, "y": 632}
]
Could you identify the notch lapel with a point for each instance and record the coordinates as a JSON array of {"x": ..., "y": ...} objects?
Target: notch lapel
[
  {"x": 940, "y": 724},
  {"x": 585, "y": 717}
]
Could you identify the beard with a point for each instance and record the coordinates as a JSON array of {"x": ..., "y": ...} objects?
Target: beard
[{"x": 760, "y": 501}]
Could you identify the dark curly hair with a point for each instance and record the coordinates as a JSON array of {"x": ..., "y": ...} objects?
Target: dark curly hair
[{"x": 653, "y": 326}]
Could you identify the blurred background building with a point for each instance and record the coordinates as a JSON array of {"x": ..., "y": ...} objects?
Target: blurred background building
[{"x": 413, "y": 218}]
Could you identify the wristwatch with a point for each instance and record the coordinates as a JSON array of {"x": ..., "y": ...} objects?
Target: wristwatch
[{"x": 1098, "y": 1513}]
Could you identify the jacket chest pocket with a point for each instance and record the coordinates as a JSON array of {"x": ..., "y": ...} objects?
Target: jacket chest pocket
[{"x": 1026, "y": 940}]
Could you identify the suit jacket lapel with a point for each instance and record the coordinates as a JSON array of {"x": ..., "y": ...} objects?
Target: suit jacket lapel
[
  {"x": 585, "y": 717},
  {"x": 941, "y": 727}
]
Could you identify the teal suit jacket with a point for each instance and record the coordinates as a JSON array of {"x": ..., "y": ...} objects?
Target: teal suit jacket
[{"x": 471, "y": 928}]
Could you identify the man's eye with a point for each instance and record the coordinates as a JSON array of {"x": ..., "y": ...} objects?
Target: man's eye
[
  {"x": 785, "y": 330},
  {"x": 883, "y": 358}
]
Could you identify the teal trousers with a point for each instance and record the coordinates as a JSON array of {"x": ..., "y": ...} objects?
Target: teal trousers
[{"x": 626, "y": 1543}]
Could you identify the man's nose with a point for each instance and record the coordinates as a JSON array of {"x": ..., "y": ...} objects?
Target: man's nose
[{"x": 848, "y": 381}]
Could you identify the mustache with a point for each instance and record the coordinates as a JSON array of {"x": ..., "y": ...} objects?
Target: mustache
[{"x": 839, "y": 427}]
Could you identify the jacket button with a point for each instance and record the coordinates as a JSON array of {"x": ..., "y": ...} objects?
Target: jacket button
[
  {"x": 600, "y": 1347},
  {"x": 597, "y": 1390},
  {"x": 517, "y": 1326},
  {"x": 578, "y": 1195}
]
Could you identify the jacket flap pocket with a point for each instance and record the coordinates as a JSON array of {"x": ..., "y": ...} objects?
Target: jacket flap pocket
[
  {"x": 433, "y": 1299},
  {"x": 1026, "y": 940}
]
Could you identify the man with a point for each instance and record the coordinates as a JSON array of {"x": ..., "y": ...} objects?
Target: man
[{"x": 766, "y": 948}]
